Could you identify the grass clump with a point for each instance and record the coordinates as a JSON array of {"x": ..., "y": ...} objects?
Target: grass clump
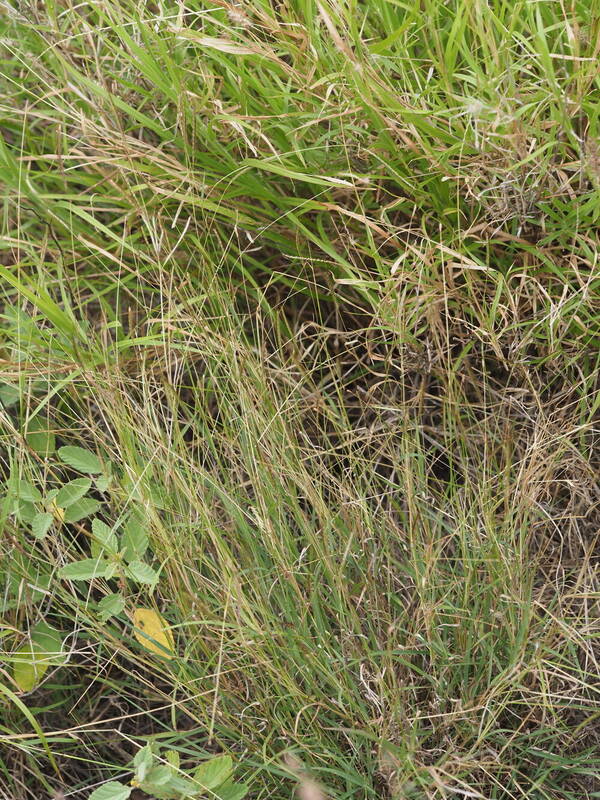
[{"x": 299, "y": 334}]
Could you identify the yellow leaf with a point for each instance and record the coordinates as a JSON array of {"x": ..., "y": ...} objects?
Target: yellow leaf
[
  {"x": 29, "y": 665},
  {"x": 151, "y": 631},
  {"x": 58, "y": 512}
]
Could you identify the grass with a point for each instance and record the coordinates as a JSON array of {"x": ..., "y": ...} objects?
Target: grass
[{"x": 318, "y": 283}]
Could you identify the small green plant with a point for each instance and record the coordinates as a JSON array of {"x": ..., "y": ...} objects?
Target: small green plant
[
  {"x": 164, "y": 779},
  {"x": 112, "y": 555},
  {"x": 68, "y": 503}
]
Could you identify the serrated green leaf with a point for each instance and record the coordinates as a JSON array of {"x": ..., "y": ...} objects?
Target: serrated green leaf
[
  {"x": 27, "y": 492},
  {"x": 134, "y": 540},
  {"x": 142, "y": 761},
  {"x": 26, "y": 512},
  {"x": 40, "y": 436},
  {"x": 214, "y": 772},
  {"x": 80, "y": 459},
  {"x": 84, "y": 570},
  {"x": 111, "y": 569},
  {"x": 159, "y": 775},
  {"x": 173, "y": 758},
  {"x": 232, "y": 791},
  {"x": 105, "y": 538},
  {"x": 113, "y": 790},
  {"x": 178, "y": 786},
  {"x": 72, "y": 492},
  {"x": 81, "y": 509},
  {"x": 141, "y": 573},
  {"x": 110, "y": 606},
  {"x": 40, "y": 524},
  {"x": 102, "y": 483}
]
